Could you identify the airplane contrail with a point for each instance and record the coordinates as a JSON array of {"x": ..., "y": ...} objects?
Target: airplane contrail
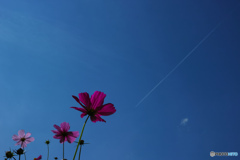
[
  {"x": 161, "y": 81},
  {"x": 179, "y": 63}
]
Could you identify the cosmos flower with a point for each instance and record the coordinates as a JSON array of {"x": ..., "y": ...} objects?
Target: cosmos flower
[
  {"x": 81, "y": 142},
  {"x": 94, "y": 107},
  {"x": 40, "y": 157},
  {"x": 9, "y": 155},
  {"x": 20, "y": 151},
  {"x": 22, "y": 138},
  {"x": 63, "y": 134}
]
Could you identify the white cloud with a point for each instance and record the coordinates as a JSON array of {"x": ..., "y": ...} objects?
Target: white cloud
[{"x": 184, "y": 121}]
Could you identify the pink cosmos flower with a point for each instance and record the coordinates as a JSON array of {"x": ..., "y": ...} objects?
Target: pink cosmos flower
[
  {"x": 63, "y": 134},
  {"x": 40, "y": 157},
  {"x": 22, "y": 138},
  {"x": 94, "y": 107}
]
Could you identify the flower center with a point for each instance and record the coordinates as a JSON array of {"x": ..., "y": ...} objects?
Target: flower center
[
  {"x": 64, "y": 134},
  {"x": 23, "y": 139},
  {"x": 91, "y": 112}
]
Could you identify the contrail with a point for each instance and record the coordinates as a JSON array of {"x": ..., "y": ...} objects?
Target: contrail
[
  {"x": 206, "y": 37},
  {"x": 179, "y": 63}
]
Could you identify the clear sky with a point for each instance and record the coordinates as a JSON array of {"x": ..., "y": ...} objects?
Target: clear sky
[{"x": 53, "y": 49}]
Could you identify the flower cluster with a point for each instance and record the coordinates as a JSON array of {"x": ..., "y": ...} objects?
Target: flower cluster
[{"x": 91, "y": 107}]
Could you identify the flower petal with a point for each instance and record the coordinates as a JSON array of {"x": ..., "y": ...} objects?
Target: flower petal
[
  {"x": 23, "y": 145},
  {"x": 74, "y": 134},
  {"x": 96, "y": 118},
  {"x": 62, "y": 139},
  {"x": 83, "y": 114},
  {"x": 80, "y": 109},
  {"x": 16, "y": 138},
  {"x": 93, "y": 119},
  {"x": 57, "y": 136},
  {"x": 97, "y": 99},
  {"x": 54, "y": 131},
  {"x": 70, "y": 139},
  {"x": 18, "y": 143},
  {"x": 78, "y": 101},
  {"x": 107, "y": 109},
  {"x": 99, "y": 118},
  {"x": 84, "y": 98},
  {"x": 29, "y": 139},
  {"x": 65, "y": 126},
  {"x": 21, "y": 133},
  {"x": 27, "y": 135},
  {"x": 40, "y": 157},
  {"x": 57, "y": 127}
]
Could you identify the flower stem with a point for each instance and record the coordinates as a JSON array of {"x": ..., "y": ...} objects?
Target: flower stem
[
  {"x": 63, "y": 150},
  {"x": 48, "y": 152},
  {"x": 80, "y": 138},
  {"x": 80, "y": 152},
  {"x": 24, "y": 154}
]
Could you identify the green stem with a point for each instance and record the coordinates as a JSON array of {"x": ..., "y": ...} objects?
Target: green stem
[
  {"x": 63, "y": 150},
  {"x": 24, "y": 154},
  {"x": 80, "y": 138},
  {"x": 48, "y": 152},
  {"x": 80, "y": 152}
]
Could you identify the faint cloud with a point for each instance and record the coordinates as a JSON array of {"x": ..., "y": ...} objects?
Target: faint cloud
[{"x": 184, "y": 122}]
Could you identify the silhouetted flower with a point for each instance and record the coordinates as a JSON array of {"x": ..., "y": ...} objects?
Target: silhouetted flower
[
  {"x": 9, "y": 155},
  {"x": 94, "y": 107},
  {"x": 81, "y": 142},
  {"x": 20, "y": 151},
  {"x": 63, "y": 134},
  {"x": 22, "y": 139},
  {"x": 47, "y": 142}
]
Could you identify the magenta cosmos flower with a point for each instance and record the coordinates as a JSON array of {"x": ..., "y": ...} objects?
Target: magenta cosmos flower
[
  {"x": 40, "y": 157},
  {"x": 94, "y": 106},
  {"x": 63, "y": 134},
  {"x": 22, "y": 138}
]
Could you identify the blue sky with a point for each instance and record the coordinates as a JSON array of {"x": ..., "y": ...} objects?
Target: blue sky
[{"x": 51, "y": 50}]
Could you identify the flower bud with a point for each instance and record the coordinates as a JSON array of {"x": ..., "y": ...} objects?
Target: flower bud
[
  {"x": 81, "y": 142},
  {"x": 19, "y": 151},
  {"x": 9, "y": 154},
  {"x": 47, "y": 142}
]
